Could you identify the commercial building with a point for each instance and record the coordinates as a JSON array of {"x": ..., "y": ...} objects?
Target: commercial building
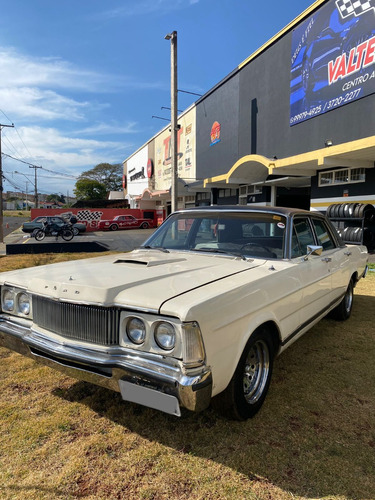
[{"x": 292, "y": 125}]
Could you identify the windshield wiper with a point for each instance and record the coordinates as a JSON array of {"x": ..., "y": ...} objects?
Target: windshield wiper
[
  {"x": 161, "y": 249},
  {"x": 218, "y": 250}
]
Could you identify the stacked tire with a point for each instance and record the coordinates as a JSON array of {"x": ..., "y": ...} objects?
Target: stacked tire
[
  {"x": 351, "y": 211},
  {"x": 357, "y": 235},
  {"x": 361, "y": 233}
]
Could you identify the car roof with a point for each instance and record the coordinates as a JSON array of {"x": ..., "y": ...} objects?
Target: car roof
[{"x": 286, "y": 212}]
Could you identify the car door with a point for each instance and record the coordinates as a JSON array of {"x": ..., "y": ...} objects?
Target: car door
[
  {"x": 335, "y": 256},
  {"x": 315, "y": 274}
]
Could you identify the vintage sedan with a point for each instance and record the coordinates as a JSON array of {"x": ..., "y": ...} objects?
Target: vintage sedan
[
  {"x": 125, "y": 222},
  {"x": 198, "y": 313}
]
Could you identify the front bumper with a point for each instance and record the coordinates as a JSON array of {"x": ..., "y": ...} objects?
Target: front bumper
[{"x": 153, "y": 380}]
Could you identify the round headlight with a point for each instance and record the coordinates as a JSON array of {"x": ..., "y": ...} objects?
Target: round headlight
[
  {"x": 24, "y": 304},
  {"x": 165, "y": 336},
  {"x": 136, "y": 330},
  {"x": 8, "y": 300}
]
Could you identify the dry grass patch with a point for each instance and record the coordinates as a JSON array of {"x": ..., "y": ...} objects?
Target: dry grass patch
[{"x": 314, "y": 437}]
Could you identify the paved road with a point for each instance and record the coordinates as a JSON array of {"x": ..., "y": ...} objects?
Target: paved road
[
  {"x": 13, "y": 223},
  {"x": 118, "y": 240}
]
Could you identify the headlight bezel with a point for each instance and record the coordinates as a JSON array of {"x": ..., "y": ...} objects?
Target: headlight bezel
[
  {"x": 20, "y": 298},
  {"x": 189, "y": 346}
]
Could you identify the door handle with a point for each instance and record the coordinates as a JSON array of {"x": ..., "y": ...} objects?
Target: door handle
[
  {"x": 327, "y": 259},
  {"x": 348, "y": 254}
]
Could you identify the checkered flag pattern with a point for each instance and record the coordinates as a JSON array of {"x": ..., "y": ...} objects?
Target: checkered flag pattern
[
  {"x": 88, "y": 215},
  {"x": 356, "y": 7}
]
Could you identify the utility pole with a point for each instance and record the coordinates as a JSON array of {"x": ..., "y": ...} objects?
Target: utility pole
[
  {"x": 1, "y": 187},
  {"x": 35, "y": 184},
  {"x": 174, "y": 127}
]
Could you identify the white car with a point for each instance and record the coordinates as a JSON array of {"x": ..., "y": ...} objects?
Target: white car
[{"x": 199, "y": 312}]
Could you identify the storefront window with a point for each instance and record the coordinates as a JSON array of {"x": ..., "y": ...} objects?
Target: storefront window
[{"x": 343, "y": 176}]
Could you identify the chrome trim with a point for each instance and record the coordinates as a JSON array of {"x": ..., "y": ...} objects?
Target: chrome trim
[{"x": 106, "y": 366}]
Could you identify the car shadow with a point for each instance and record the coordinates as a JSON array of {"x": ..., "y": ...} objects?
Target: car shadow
[{"x": 316, "y": 425}]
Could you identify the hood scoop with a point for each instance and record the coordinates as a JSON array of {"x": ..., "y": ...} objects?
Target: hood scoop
[{"x": 148, "y": 263}]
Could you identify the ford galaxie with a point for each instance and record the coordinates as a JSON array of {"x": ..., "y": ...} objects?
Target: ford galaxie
[{"x": 198, "y": 313}]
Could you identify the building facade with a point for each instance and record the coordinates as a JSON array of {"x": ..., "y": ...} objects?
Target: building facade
[{"x": 291, "y": 126}]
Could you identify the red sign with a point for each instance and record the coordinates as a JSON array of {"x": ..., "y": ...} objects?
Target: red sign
[
  {"x": 124, "y": 181},
  {"x": 215, "y": 133},
  {"x": 150, "y": 168}
]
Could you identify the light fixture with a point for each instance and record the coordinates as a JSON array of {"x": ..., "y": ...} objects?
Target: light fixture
[
  {"x": 168, "y": 36},
  {"x": 328, "y": 143}
]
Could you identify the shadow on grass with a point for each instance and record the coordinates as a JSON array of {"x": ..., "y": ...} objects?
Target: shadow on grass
[{"x": 315, "y": 435}]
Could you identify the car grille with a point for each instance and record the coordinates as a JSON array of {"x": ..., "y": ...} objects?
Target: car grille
[{"x": 94, "y": 324}]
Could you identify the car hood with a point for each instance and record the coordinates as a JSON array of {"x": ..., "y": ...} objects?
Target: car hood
[{"x": 143, "y": 278}]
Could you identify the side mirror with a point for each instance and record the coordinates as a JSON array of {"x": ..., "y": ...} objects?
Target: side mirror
[{"x": 313, "y": 250}]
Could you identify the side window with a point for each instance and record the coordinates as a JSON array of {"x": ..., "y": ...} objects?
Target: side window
[
  {"x": 302, "y": 237},
  {"x": 324, "y": 237}
]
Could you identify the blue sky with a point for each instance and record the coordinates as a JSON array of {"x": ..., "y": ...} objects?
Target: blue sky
[{"x": 81, "y": 79}]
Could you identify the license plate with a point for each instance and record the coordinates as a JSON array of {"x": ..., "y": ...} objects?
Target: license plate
[{"x": 149, "y": 397}]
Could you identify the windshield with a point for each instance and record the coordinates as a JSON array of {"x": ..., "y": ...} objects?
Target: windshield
[{"x": 246, "y": 234}]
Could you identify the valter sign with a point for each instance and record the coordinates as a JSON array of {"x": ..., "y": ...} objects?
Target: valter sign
[{"x": 333, "y": 58}]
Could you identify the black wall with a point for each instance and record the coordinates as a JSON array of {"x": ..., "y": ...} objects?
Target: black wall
[{"x": 252, "y": 106}]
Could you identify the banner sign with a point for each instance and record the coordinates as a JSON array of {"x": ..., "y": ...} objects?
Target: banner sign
[{"x": 333, "y": 58}]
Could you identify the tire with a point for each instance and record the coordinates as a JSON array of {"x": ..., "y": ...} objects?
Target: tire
[
  {"x": 67, "y": 234},
  {"x": 248, "y": 388},
  {"x": 144, "y": 225},
  {"x": 343, "y": 311},
  {"x": 75, "y": 231},
  {"x": 113, "y": 227},
  {"x": 329, "y": 212},
  {"x": 341, "y": 211},
  {"x": 39, "y": 235}
]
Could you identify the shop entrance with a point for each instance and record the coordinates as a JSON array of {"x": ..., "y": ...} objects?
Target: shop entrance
[{"x": 293, "y": 197}]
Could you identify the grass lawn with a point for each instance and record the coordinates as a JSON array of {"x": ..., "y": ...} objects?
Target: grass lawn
[{"x": 314, "y": 437}]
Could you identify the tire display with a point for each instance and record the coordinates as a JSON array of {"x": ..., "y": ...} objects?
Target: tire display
[{"x": 355, "y": 222}]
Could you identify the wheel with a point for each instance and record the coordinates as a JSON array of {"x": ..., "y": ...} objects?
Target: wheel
[
  {"x": 144, "y": 225},
  {"x": 67, "y": 234},
  {"x": 75, "y": 231},
  {"x": 343, "y": 311},
  {"x": 113, "y": 227},
  {"x": 39, "y": 235},
  {"x": 248, "y": 388}
]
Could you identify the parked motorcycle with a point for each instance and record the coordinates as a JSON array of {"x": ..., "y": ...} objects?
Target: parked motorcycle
[{"x": 65, "y": 231}]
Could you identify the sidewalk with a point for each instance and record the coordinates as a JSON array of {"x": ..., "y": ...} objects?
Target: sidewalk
[{"x": 15, "y": 237}]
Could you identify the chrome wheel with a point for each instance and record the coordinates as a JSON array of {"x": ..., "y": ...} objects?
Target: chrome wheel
[
  {"x": 348, "y": 300},
  {"x": 256, "y": 371}
]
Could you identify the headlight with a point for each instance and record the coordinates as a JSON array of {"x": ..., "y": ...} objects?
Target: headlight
[
  {"x": 136, "y": 330},
  {"x": 23, "y": 303},
  {"x": 7, "y": 302},
  {"x": 165, "y": 336}
]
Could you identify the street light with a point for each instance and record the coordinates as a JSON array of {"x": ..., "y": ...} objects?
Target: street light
[{"x": 173, "y": 38}]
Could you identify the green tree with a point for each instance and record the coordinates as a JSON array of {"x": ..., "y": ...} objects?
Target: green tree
[
  {"x": 90, "y": 189},
  {"x": 55, "y": 197},
  {"x": 105, "y": 173}
]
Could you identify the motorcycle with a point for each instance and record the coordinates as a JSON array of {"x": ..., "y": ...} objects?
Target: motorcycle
[{"x": 65, "y": 231}]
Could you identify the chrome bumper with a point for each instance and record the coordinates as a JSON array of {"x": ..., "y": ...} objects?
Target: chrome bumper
[{"x": 152, "y": 380}]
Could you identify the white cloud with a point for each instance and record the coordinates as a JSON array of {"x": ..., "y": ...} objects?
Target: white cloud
[
  {"x": 144, "y": 7},
  {"x": 111, "y": 128}
]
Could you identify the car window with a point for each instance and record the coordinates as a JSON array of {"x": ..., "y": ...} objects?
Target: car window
[
  {"x": 250, "y": 235},
  {"x": 302, "y": 237},
  {"x": 322, "y": 232}
]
